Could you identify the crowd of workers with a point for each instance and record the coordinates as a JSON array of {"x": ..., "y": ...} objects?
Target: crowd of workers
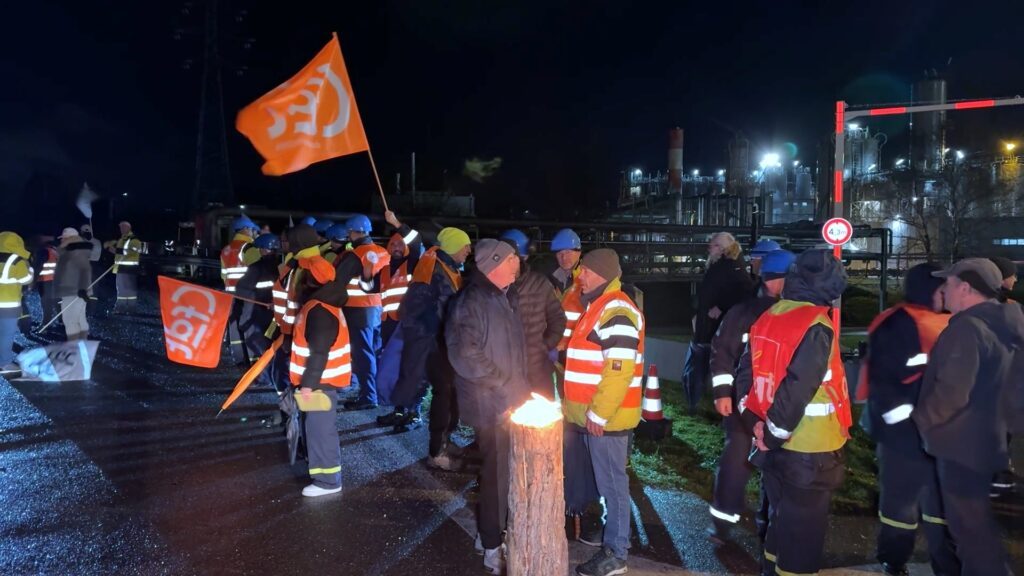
[{"x": 335, "y": 310}]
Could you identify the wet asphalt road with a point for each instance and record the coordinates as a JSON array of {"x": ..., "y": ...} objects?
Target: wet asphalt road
[{"x": 130, "y": 473}]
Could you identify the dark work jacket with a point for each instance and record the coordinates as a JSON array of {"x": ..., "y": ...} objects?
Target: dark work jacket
[
  {"x": 256, "y": 318},
  {"x": 963, "y": 411},
  {"x": 487, "y": 349},
  {"x": 803, "y": 378},
  {"x": 424, "y": 305},
  {"x": 892, "y": 343},
  {"x": 543, "y": 324},
  {"x": 729, "y": 342},
  {"x": 321, "y": 331},
  {"x": 725, "y": 284}
]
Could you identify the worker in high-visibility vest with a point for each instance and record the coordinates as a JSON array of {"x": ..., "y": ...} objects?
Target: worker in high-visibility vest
[
  {"x": 603, "y": 391},
  {"x": 15, "y": 274},
  {"x": 405, "y": 248},
  {"x": 235, "y": 259},
  {"x": 900, "y": 341},
  {"x": 126, "y": 251},
  {"x": 358, "y": 263},
  {"x": 49, "y": 256},
  {"x": 795, "y": 400}
]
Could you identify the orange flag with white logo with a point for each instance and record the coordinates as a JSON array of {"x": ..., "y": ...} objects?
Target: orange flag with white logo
[
  {"x": 194, "y": 320},
  {"x": 310, "y": 118}
]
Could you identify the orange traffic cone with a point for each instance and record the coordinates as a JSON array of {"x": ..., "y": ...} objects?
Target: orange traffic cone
[
  {"x": 653, "y": 423},
  {"x": 652, "y": 397}
]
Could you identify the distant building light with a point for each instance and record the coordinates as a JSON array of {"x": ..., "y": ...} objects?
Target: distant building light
[
  {"x": 853, "y": 126},
  {"x": 721, "y": 173},
  {"x": 945, "y": 151},
  {"x": 872, "y": 167},
  {"x": 914, "y": 199},
  {"x": 796, "y": 163},
  {"x": 241, "y": 206},
  {"x": 638, "y": 172},
  {"x": 1010, "y": 146},
  {"x": 900, "y": 161},
  {"x": 770, "y": 160},
  {"x": 959, "y": 154}
]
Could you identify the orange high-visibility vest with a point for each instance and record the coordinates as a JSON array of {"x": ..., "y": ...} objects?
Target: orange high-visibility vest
[
  {"x": 425, "y": 269},
  {"x": 585, "y": 360},
  {"x": 368, "y": 254},
  {"x": 774, "y": 338},
  {"x": 286, "y": 304},
  {"x": 393, "y": 289},
  {"x": 232, "y": 267},
  {"x": 50, "y": 266},
  {"x": 929, "y": 325},
  {"x": 573, "y": 308},
  {"x": 338, "y": 371}
]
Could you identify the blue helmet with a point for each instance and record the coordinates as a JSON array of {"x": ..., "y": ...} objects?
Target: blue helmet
[
  {"x": 777, "y": 263},
  {"x": 242, "y": 222},
  {"x": 566, "y": 239},
  {"x": 359, "y": 223},
  {"x": 764, "y": 247},
  {"x": 308, "y": 221},
  {"x": 267, "y": 242},
  {"x": 322, "y": 226},
  {"x": 337, "y": 232},
  {"x": 518, "y": 239}
]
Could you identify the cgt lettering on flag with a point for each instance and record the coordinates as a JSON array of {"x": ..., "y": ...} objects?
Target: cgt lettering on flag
[
  {"x": 309, "y": 118},
  {"x": 194, "y": 319}
]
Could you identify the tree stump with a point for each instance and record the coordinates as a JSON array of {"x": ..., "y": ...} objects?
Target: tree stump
[{"x": 536, "y": 498}]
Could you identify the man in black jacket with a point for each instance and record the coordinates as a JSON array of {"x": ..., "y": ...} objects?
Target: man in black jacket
[
  {"x": 542, "y": 316},
  {"x": 255, "y": 320},
  {"x": 733, "y": 468},
  {"x": 962, "y": 412},
  {"x": 487, "y": 349},
  {"x": 1005, "y": 480},
  {"x": 900, "y": 341},
  {"x": 725, "y": 284}
]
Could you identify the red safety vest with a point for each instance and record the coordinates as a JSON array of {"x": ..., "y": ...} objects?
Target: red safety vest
[
  {"x": 929, "y": 325},
  {"x": 585, "y": 360},
  {"x": 50, "y": 266},
  {"x": 774, "y": 338},
  {"x": 393, "y": 288},
  {"x": 572, "y": 305},
  {"x": 425, "y": 269},
  {"x": 232, "y": 267},
  {"x": 338, "y": 371},
  {"x": 379, "y": 258}
]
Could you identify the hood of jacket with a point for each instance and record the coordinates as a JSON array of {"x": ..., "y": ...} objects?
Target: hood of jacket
[
  {"x": 11, "y": 243},
  {"x": 1006, "y": 321},
  {"x": 816, "y": 277}
]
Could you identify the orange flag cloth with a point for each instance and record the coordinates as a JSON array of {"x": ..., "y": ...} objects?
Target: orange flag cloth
[
  {"x": 310, "y": 118},
  {"x": 194, "y": 319}
]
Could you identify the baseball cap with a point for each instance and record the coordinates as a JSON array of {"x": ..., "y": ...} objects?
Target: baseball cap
[
  {"x": 980, "y": 273},
  {"x": 68, "y": 232}
]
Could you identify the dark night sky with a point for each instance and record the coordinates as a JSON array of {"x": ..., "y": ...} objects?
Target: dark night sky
[{"x": 568, "y": 94}]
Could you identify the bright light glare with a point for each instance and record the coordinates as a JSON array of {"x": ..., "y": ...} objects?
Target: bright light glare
[
  {"x": 900, "y": 161},
  {"x": 770, "y": 160}
]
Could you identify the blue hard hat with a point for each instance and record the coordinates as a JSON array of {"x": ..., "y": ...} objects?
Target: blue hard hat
[
  {"x": 267, "y": 242},
  {"x": 518, "y": 239},
  {"x": 777, "y": 262},
  {"x": 322, "y": 226},
  {"x": 359, "y": 223},
  {"x": 566, "y": 239},
  {"x": 763, "y": 247},
  {"x": 337, "y": 232},
  {"x": 308, "y": 221},
  {"x": 243, "y": 221}
]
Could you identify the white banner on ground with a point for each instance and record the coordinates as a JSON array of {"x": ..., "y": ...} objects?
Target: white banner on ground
[{"x": 59, "y": 362}]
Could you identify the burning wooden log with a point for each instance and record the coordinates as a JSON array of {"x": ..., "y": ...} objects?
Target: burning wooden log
[{"x": 536, "y": 498}]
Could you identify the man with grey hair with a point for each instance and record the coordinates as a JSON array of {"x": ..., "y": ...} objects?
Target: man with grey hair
[
  {"x": 963, "y": 412},
  {"x": 725, "y": 284}
]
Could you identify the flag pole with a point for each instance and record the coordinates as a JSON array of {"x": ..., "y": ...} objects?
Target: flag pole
[
  {"x": 377, "y": 177},
  {"x": 369, "y": 151}
]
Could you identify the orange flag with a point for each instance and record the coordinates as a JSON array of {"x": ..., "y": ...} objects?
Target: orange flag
[
  {"x": 310, "y": 118},
  {"x": 194, "y": 320}
]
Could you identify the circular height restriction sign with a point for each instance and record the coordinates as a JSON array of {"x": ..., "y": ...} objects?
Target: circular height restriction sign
[{"x": 837, "y": 231}]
